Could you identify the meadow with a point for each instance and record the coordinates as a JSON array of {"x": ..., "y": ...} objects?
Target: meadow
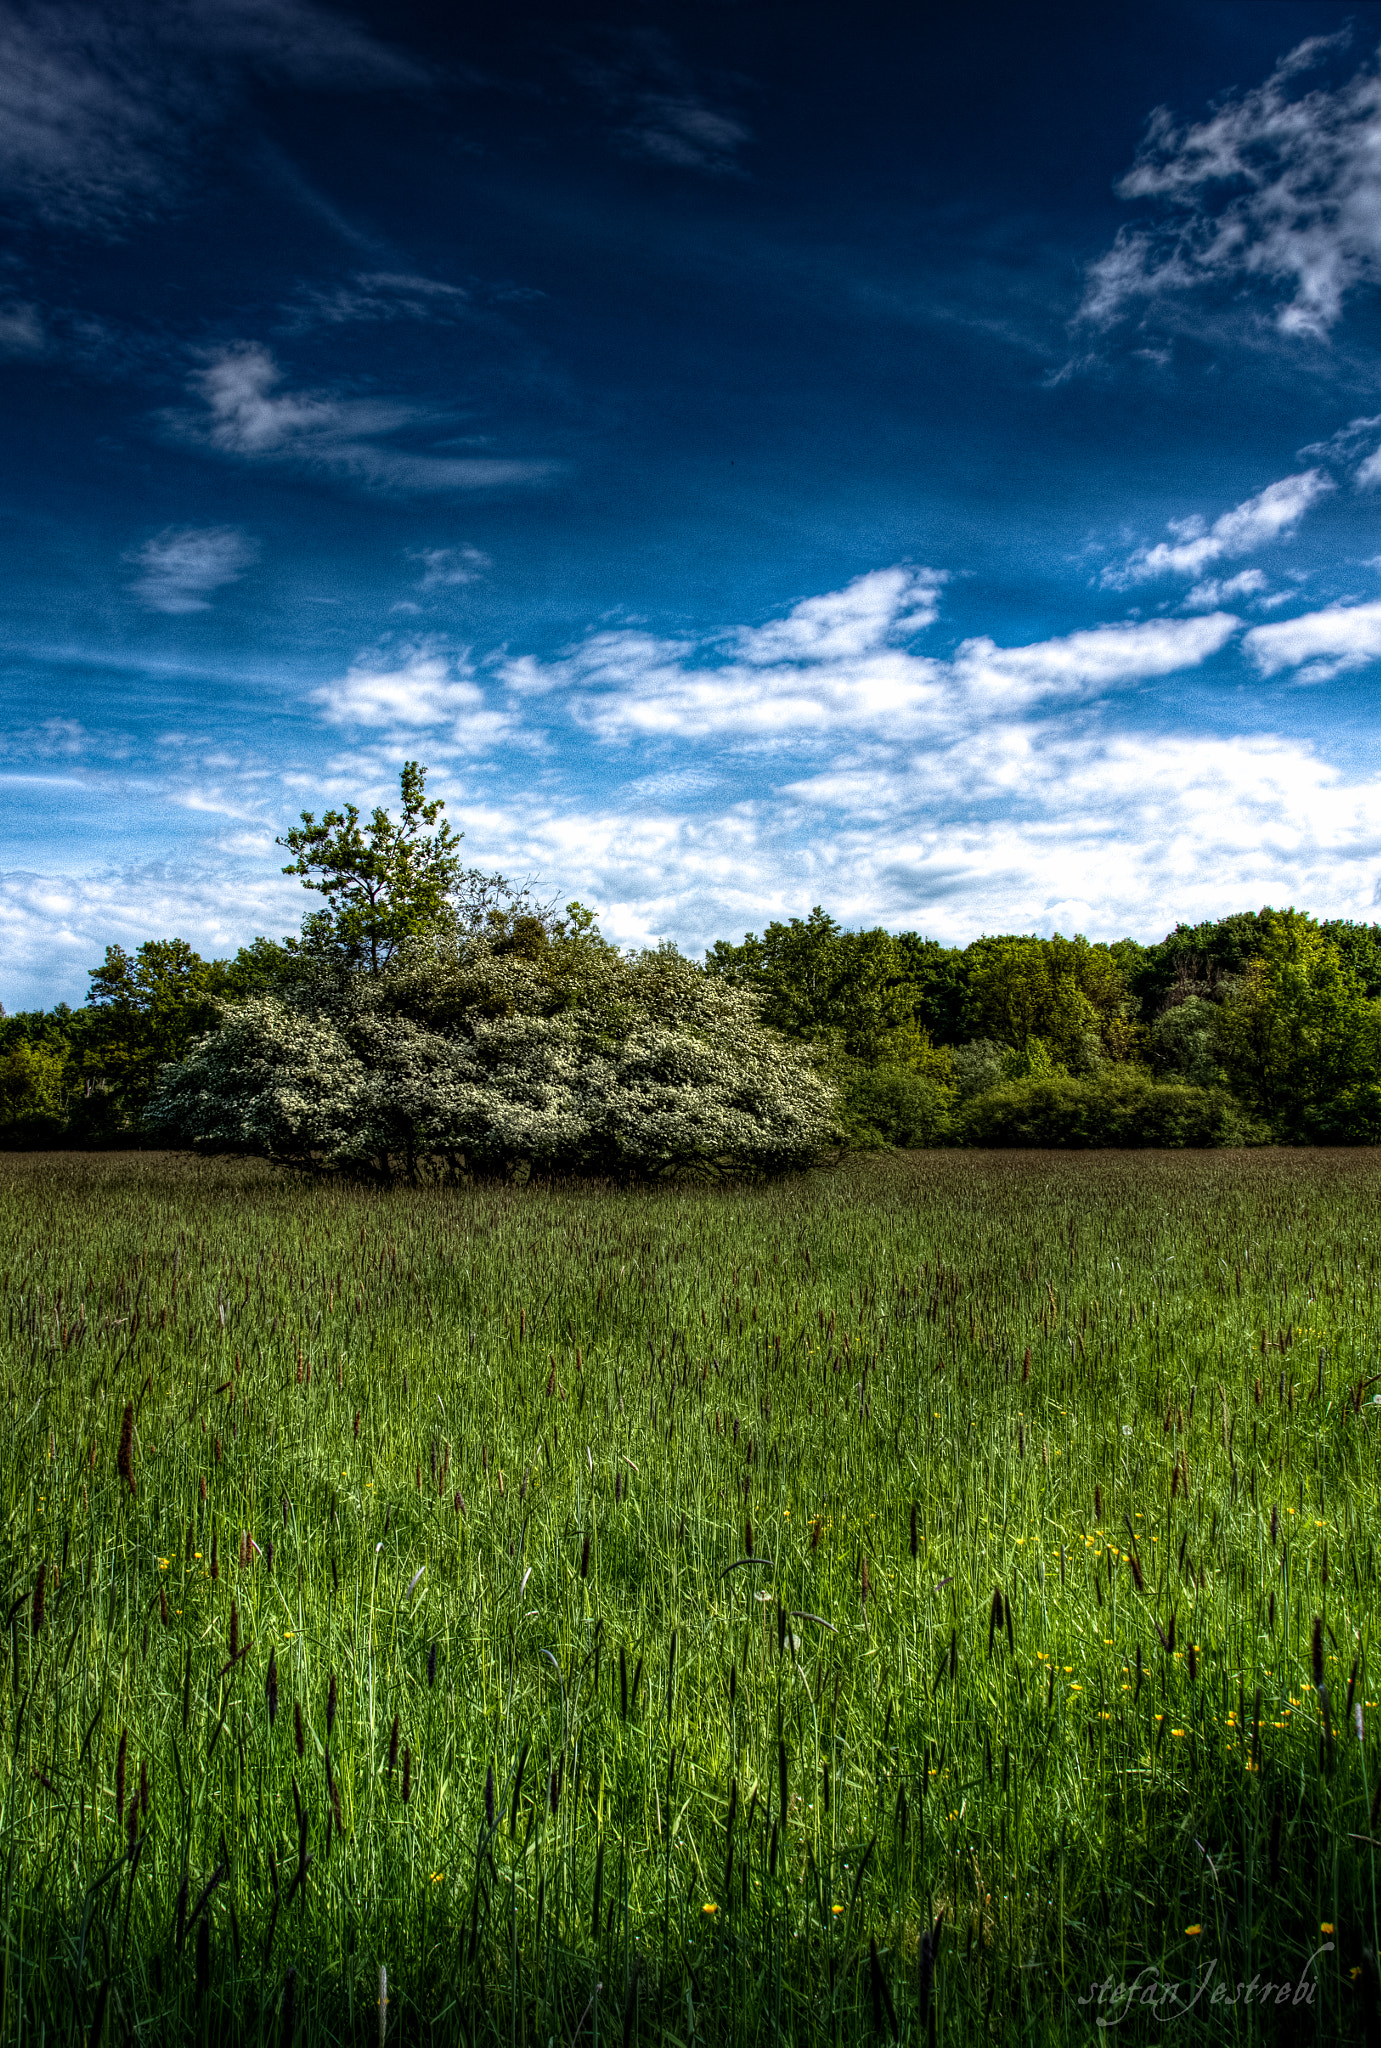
[{"x": 927, "y": 1600}]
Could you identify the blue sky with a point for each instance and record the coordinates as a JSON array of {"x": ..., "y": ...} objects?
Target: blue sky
[{"x": 756, "y": 454}]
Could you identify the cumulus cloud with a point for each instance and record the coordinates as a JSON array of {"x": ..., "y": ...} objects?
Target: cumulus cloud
[
  {"x": 422, "y": 689},
  {"x": 100, "y": 106},
  {"x": 182, "y": 566},
  {"x": 834, "y": 665},
  {"x": 1209, "y": 595},
  {"x": 1320, "y": 645},
  {"x": 874, "y": 609},
  {"x": 817, "y": 757},
  {"x": 1271, "y": 515},
  {"x": 247, "y": 412},
  {"x": 1279, "y": 186}
]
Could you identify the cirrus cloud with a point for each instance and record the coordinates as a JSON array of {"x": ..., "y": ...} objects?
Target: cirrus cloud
[
  {"x": 248, "y": 413},
  {"x": 180, "y": 567},
  {"x": 1279, "y": 185}
]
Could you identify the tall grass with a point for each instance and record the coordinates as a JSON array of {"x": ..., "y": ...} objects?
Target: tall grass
[{"x": 877, "y": 1605}]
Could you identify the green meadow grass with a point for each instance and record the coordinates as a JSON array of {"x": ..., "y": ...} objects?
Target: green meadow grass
[{"x": 718, "y": 1590}]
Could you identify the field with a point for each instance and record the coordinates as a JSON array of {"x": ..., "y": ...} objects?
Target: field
[{"x": 658, "y": 1616}]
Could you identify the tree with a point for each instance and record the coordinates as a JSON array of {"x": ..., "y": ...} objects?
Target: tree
[
  {"x": 32, "y": 1093},
  {"x": 144, "y": 1010},
  {"x": 1066, "y": 994},
  {"x": 384, "y": 883},
  {"x": 863, "y": 989},
  {"x": 1300, "y": 1039}
]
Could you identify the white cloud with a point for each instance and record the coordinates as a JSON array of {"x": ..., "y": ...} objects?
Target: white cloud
[
  {"x": 662, "y": 111},
  {"x": 830, "y": 667},
  {"x": 1279, "y": 184},
  {"x": 181, "y": 566},
  {"x": 680, "y": 130},
  {"x": 1119, "y": 832},
  {"x": 445, "y": 568},
  {"x": 1368, "y": 473},
  {"x": 1208, "y": 596},
  {"x": 55, "y": 927},
  {"x": 1320, "y": 644},
  {"x": 424, "y": 690},
  {"x": 247, "y": 413},
  {"x": 885, "y": 605},
  {"x": 1270, "y": 516}
]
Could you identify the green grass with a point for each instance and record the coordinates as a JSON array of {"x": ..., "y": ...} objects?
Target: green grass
[{"x": 838, "y": 1360}]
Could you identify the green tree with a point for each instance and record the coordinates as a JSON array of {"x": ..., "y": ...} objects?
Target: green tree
[
  {"x": 1067, "y": 994},
  {"x": 385, "y": 883},
  {"x": 1300, "y": 1040},
  {"x": 145, "y": 1009},
  {"x": 863, "y": 990},
  {"x": 33, "y": 1086}
]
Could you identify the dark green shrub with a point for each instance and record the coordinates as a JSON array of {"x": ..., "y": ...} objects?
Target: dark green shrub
[
  {"x": 892, "y": 1106},
  {"x": 1121, "y": 1106}
]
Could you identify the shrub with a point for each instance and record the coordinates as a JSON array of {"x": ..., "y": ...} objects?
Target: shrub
[
  {"x": 1119, "y": 1106},
  {"x": 564, "y": 1056},
  {"x": 892, "y": 1106}
]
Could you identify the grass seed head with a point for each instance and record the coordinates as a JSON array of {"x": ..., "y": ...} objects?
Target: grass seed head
[
  {"x": 271, "y": 1687},
  {"x": 1316, "y": 1653},
  {"x": 124, "y": 1457}
]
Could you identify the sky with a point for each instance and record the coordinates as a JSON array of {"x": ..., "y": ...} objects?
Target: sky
[{"x": 925, "y": 462}]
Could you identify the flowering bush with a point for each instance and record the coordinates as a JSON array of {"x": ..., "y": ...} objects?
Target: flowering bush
[{"x": 484, "y": 1057}]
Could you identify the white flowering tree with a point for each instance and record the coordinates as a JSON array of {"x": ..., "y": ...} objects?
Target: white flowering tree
[{"x": 489, "y": 1055}]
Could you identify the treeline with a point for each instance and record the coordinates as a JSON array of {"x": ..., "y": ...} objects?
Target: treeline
[
  {"x": 1257, "y": 1027},
  {"x": 427, "y": 1013}
]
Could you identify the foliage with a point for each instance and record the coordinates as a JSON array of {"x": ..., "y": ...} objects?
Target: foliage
[
  {"x": 514, "y": 1468},
  {"x": 978, "y": 1066},
  {"x": 1300, "y": 1040},
  {"x": 489, "y": 1056},
  {"x": 1119, "y": 1106},
  {"x": 32, "y": 1093},
  {"x": 1202, "y": 960},
  {"x": 1066, "y": 993},
  {"x": 1182, "y": 1043},
  {"x": 384, "y": 884},
  {"x": 818, "y": 980},
  {"x": 893, "y": 1105}
]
